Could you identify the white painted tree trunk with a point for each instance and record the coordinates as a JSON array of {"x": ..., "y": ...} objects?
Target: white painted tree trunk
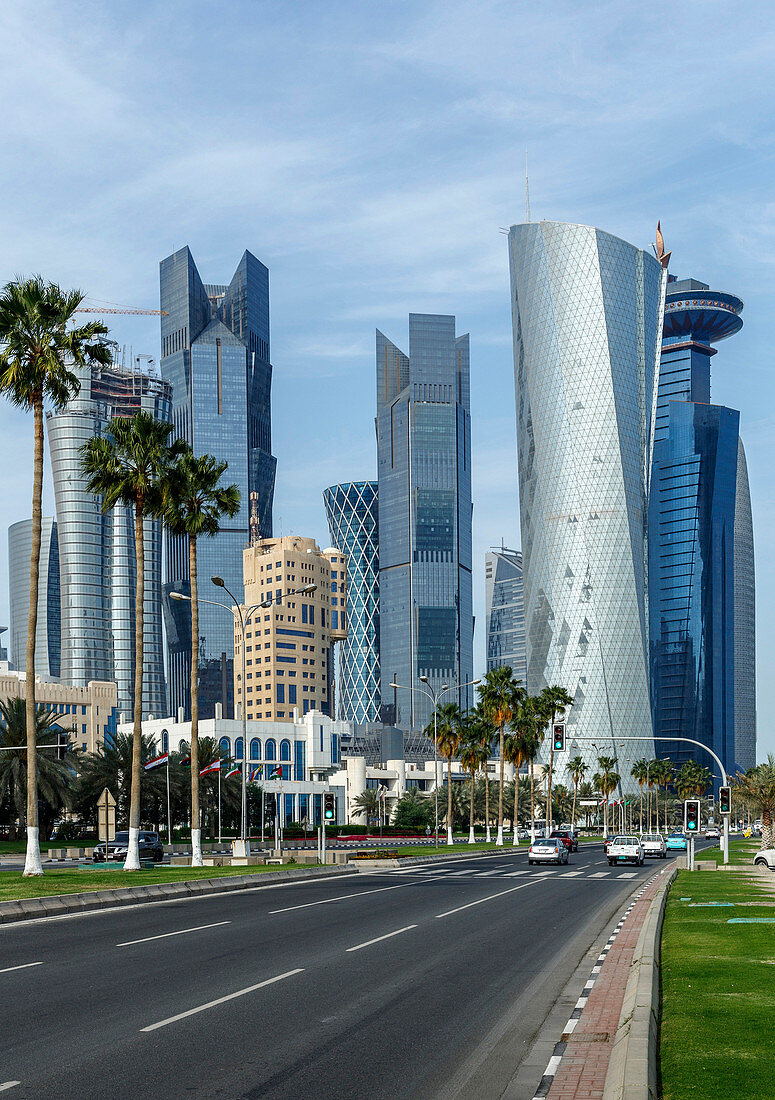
[
  {"x": 132, "y": 861},
  {"x": 32, "y": 864},
  {"x": 471, "y": 839},
  {"x": 449, "y": 834},
  {"x": 499, "y": 841},
  {"x": 196, "y": 848}
]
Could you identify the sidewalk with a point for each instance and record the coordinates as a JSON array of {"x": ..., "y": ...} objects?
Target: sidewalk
[{"x": 585, "y": 1050}]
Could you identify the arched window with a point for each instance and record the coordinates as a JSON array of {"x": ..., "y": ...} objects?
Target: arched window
[
  {"x": 285, "y": 750},
  {"x": 238, "y": 748},
  {"x": 183, "y": 747},
  {"x": 271, "y": 749},
  {"x": 225, "y": 746},
  {"x": 255, "y": 749},
  {"x": 165, "y": 741}
]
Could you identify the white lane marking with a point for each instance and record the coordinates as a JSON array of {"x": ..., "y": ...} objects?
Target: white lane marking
[
  {"x": 484, "y": 874},
  {"x": 601, "y": 874},
  {"x": 221, "y": 1000},
  {"x": 515, "y": 874},
  {"x": 341, "y": 897},
  {"x": 630, "y": 874},
  {"x": 572, "y": 874},
  {"x": 23, "y": 966},
  {"x": 379, "y": 939},
  {"x": 8, "y": 1085},
  {"x": 180, "y": 932},
  {"x": 502, "y": 893}
]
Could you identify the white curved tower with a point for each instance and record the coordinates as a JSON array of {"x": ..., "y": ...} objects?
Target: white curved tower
[{"x": 587, "y": 315}]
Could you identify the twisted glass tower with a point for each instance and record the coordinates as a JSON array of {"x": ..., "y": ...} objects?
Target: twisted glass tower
[
  {"x": 215, "y": 352},
  {"x": 353, "y": 520},
  {"x": 587, "y": 317},
  {"x": 424, "y": 470}
]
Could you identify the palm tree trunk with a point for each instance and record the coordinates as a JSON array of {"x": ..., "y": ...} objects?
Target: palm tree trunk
[
  {"x": 573, "y": 814},
  {"x": 471, "y": 815},
  {"x": 449, "y": 799},
  {"x": 132, "y": 862},
  {"x": 641, "y": 807},
  {"x": 499, "y": 840},
  {"x": 532, "y": 805},
  {"x": 196, "y": 827},
  {"x": 516, "y": 805},
  {"x": 32, "y": 864},
  {"x": 487, "y": 803},
  {"x": 549, "y": 783}
]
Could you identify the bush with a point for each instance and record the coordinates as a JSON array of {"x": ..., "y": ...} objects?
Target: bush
[{"x": 69, "y": 832}]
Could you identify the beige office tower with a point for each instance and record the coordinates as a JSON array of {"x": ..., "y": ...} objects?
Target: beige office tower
[{"x": 290, "y": 634}]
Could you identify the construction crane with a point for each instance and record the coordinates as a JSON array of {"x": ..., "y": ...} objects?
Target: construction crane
[{"x": 113, "y": 307}]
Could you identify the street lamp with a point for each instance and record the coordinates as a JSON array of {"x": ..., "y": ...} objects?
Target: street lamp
[
  {"x": 244, "y": 617},
  {"x": 435, "y": 697}
]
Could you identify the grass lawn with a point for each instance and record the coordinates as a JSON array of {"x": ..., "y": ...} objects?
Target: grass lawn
[
  {"x": 718, "y": 989},
  {"x": 443, "y": 849},
  {"x": 741, "y": 851},
  {"x": 13, "y": 885}
]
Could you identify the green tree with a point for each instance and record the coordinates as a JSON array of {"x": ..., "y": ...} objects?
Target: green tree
[
  {"x": 556, "y": 701},
  {"x": 38, "y": 350},
  {"x": 517, "y": 749},
  {"x": 664, "y": 773},
  {"x": 577, "y": 769},
  {"x": 500, "y": 695},
  {"x": 639, "y": 773},
  {"x": 586, "y": 794},
  {"x": 605, "y": 781},
  {"x": 194, "y": 503},
  {"x": 529, "y": 723},
  {"x": 693, "y": 779},
  {"x": 414, "y": 810},
  {"x": 473, "y": 759},
  {"x": 756, "y": 789},
  {"x": 111, "y": 766},
  {"x": 446, "y": 729},
  {"x": 366, "y": 805},
  {"x": 55, "y": 770},
  {"x": 129, "y": 466}
]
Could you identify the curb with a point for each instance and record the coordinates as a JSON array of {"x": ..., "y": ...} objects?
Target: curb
[
  {"x": 58, "y": 905},
  {"x": 632, "y": 1069}
]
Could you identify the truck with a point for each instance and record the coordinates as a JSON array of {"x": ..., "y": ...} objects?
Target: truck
[{"x": 625, "y": 849}]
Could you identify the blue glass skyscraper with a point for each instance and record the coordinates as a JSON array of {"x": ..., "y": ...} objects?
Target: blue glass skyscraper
[
  {"x": 701, "y": 588},
  {"x": 505, "y": 611},
  {"x": 215, "y": 351},
  {"x": 424, "y": 471},
  {"x": 353, "y": 521}
]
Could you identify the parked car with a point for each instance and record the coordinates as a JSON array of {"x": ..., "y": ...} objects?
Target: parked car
[
  {"x": 568, "y": 837},
  {"x": 676, "y": 842},
  {"x": 149, "y": 843},
  {"x": 765, "y": 857},
  {"x": 625, "y": 849},
  {"x": 712, "y": 833},
  {"x": 654, "y": 845},
  {"x": 547, "y": 851}
]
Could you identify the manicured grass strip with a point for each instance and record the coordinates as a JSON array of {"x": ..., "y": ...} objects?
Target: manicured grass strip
[
  {"x": 741, "y": 852},
  {"x": 717, "y": 987},
  {"x": 14, "y": 886}
]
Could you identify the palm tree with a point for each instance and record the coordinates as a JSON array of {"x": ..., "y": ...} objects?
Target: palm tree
[
  {"x": 129, "y": 467},
  {"x": 605, "y": 780},
  {"x": 447, "y": 732},
  {"x": 111, "y": 767},
  {"x": 586, "y": 794},
  {"x": 54, "y": 774},
  {"x": 366, "y": 805},
  {"x": 577, "y": 770},
  {"x": 516, "y": 747},
  {"x": 693, "y": 779},
  {"x": 529, "y": 723},
  {"x": 194, "y": 501},
  {"x": 37, "y": 350},
  {"x": 639, "y": 773},
  {"x": 756, "y": 788},
  {"x": 500, "y": 695},
  {"x": 556, "y": 701},
  {"x": 473, "y": 758},
  {"x": 664, "y": 777}
]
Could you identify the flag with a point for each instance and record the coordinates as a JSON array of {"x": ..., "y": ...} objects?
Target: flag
[
  {"x": 185, "y": 761},
  {"x": 233, "y": 771},
  {"x": 254, "y": 772},
  {"x": 158, "y": 761},
  {"x": 603, "y": 802},
  {"x": 276, "y": 773},
  {"x": 214, "y": 767}
]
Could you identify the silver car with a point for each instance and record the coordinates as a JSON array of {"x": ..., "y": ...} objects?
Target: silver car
[
  {"x": 547, "y": 851},
  {"x": 654, "y": 845}
]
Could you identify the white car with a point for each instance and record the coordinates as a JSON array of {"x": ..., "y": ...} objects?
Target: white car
[
  {"x": 712, "y": 833},
  {"x": 765, "y": 857},
  {"x": 653, "y": 844},
  {"x": 625, "y": 849},
  {"x": 547, "y": 851}
]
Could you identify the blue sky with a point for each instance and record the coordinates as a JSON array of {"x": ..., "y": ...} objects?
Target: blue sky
[{"x": 368, "y": 153}]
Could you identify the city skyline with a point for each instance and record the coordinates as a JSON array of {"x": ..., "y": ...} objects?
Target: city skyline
[{"x": 355, "y": 240}]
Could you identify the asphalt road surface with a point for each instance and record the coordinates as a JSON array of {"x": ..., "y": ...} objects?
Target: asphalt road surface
[{"x": 426, "y": 981}]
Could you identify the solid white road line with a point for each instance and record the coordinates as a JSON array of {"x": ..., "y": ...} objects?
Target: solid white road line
[
  {"x": 8, "y": 1085},
  {"x": 502, "y": 893},
  {"x": 23, "y": 966},
  {"x": 222, "y": 1000},
  {"x": 341, "y": 897},
  {"x": 180, "y": 932},
  {"x": 379, "y": 939}
]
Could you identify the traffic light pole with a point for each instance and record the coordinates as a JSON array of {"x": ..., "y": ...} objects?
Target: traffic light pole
[{"x": 688, "y": 741}]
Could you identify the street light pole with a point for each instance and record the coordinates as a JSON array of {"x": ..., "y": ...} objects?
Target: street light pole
[{"x": 435, "y": 697}]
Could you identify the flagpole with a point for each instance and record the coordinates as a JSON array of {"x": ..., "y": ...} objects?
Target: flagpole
[{"x": 169, "y": 815}]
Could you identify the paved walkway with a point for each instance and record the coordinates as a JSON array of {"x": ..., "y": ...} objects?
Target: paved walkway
[{"x": 582, "y": 1069}]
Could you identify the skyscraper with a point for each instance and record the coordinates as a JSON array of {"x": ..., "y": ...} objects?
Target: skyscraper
[
  {"x": 353, "y": 521},
  {"x": 215, "y": 352},
  {"x": 701, "y": 578},
  {"x": 97, "y": 551},
  {"x": 48, "y": 635},
  {"x": 505, "y": 609},
  {"x": 587, "y": 315},
  {"x": 424, "y": 472}
]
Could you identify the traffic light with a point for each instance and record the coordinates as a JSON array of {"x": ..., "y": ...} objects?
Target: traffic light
[
  {"x": 559, "y": 737},
  {"x": 692, "y": 815},
  {"x": 725, "y": 800},
  {"x": 329, "y": 806},
  {"x": 270, "y": 807}
]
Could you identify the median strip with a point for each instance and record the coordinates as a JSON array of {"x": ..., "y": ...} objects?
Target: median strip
[
  {"x": 379, "y": 939},
  {"x": 23, "y": 966},
  {"x": 166, "y": 935},
  {"x": 481, "y": 901},
  {"x": 222, "y": 1000}
]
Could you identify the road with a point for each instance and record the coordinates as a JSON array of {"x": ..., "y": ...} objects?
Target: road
[{"x": 424, "y": 981}]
